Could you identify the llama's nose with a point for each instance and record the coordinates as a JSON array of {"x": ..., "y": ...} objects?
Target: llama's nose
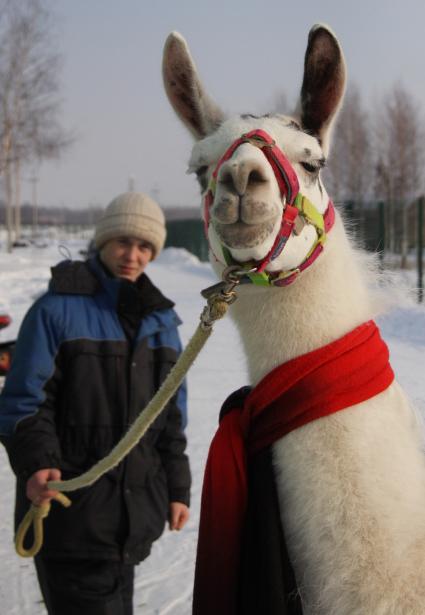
[{"x": 238, "y": 177}]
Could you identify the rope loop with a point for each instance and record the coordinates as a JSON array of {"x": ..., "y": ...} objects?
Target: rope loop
[{"x": 35, "y": 517}]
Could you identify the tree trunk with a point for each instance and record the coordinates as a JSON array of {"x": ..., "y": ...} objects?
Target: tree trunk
[
  {"x": 404, "y": 236},
  {"x": 5, "y": 155},
  {"x": 9, "y": 208},
  {"x": 391, "y": 226},
  {"x": 34, "y": 206},
  {"x": 17, "y": 177}
]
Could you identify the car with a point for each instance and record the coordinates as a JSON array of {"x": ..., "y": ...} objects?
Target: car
[{"x": 6, "y": 348}]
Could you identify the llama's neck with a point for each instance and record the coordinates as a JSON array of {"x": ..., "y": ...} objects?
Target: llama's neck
[{"x": 327, "y": 301}]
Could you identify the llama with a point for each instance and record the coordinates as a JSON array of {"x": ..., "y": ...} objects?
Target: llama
[{"x": 351, "y": 485}]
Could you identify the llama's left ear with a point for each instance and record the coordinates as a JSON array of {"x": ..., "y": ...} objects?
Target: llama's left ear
[
  {"x": 323, "y": 83},
  {"x": 185, "y": 90}
]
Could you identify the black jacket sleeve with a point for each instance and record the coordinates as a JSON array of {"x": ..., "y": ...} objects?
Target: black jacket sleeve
[{"x": 27, "y": 403}]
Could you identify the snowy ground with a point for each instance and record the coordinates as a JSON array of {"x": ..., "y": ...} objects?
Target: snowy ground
[{"x": 164, "y": 581}]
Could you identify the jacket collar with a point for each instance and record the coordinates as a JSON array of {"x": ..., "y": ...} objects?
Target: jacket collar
[{"x": 90, "y": 277}]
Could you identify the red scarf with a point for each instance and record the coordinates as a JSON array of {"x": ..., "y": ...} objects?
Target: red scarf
[{"x": 341, "y": 374}]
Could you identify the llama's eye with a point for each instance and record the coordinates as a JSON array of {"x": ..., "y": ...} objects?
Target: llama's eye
[
  {"x": 310, "y": 168},
  {"x": 201, "y": 170},
  {"x": 313, "y": 167},
  {"x": 201, "y": 176}
]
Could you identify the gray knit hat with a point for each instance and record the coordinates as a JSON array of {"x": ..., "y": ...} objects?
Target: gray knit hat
[{"x": 132, "y": 214}]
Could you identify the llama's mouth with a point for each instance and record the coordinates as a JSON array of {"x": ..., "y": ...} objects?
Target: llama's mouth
[{"x": 240, "y": 235}]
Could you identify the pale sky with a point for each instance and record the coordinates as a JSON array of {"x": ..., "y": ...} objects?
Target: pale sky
[{"x": 246, "y": 52}]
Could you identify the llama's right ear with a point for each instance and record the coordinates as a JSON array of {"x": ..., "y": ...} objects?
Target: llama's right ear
[
  {"x": 323, "y": 84},
  {"x": 185, "y": 91}
]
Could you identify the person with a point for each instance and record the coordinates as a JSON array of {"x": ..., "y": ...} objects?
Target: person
[{"x": 90, "y": 354}]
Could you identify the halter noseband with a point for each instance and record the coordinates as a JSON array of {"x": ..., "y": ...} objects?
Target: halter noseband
[{"x": 296, "y": 208}]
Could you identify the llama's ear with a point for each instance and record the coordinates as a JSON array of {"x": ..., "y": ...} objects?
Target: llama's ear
[
  {"x": 323, "y": 83},
  {"x": 185, "y": 91}
]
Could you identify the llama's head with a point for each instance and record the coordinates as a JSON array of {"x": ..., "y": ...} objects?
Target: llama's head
[{"x": 253, "y": 171}]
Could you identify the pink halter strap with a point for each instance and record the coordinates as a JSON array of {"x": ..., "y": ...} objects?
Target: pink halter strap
[{"x": 287, "y": 180}]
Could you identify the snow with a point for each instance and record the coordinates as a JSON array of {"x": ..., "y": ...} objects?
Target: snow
[{"x": 164, "y": 581}]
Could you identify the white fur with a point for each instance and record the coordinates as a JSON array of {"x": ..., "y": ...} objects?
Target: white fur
[
  {"x": 352, "y": 485},
  {"x": 352, "y": 490}
]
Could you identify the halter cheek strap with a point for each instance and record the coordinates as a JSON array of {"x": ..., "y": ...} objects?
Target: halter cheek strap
[{"x": 297, "y": 208}]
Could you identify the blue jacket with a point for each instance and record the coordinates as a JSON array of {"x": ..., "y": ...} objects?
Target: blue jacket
[{"x": 90, "y": 355}]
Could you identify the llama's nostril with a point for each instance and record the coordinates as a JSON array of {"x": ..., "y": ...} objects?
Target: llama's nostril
[
  {"x": 256, "y": 177},
  {"x": 237, "y": 178},
  {"x": 226, "y": 179}
]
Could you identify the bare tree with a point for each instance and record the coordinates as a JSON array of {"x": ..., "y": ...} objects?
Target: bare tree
[
  {"x": 400, "y": 158},
  {"x": 29, "y": 96},
  {"x": 349, "y": 175}
]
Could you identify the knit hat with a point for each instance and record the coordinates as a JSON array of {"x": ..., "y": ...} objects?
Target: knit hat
[{"x": 132, "y": 214}]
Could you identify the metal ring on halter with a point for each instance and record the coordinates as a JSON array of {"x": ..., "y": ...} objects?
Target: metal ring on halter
[{"x": 232, "y": 273}]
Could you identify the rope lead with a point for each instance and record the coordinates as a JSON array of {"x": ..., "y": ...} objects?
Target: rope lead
[{"x": 214, "y": 310}]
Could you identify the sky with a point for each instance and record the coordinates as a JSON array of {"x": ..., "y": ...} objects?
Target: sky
[{"x": 247, "y": 52}]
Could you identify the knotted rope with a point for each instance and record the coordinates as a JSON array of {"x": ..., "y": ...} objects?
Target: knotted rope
[
  {"x": 221, "y": 297},
  {"x": 35, "y": 517}
]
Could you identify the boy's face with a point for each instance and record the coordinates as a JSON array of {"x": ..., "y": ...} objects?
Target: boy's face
[{"x": 126, "y": 257}]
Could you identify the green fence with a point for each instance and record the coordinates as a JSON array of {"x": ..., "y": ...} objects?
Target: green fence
[
  {"x": 188, "y": 234},
  {"x": 394, "y": 228}
]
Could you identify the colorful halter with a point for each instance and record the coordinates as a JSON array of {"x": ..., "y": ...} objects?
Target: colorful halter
[{"x": 296, "y": 208}]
